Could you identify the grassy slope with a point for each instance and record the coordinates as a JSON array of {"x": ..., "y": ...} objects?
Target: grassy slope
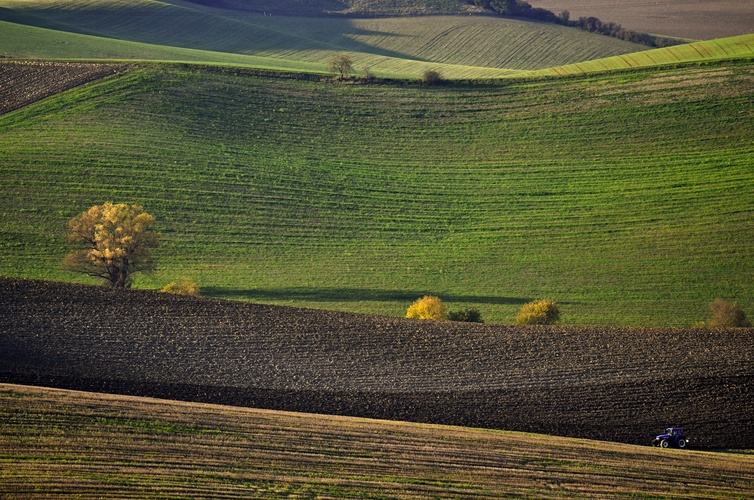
[
  {"x": 63, "y": 442},
  {"x": 30, "y": 42},
  {"x": 725, "y": 48},
  {"x": 461, "y": 47},
  {"x": 626, "y": 197}
]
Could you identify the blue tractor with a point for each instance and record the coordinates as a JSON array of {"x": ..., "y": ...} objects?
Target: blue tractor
[{"x": 673, "y": 437}]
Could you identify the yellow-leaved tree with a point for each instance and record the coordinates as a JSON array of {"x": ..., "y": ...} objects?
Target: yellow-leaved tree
[
  {"x": 112, "y": 241},
  {"x": 428, "y": 307}
]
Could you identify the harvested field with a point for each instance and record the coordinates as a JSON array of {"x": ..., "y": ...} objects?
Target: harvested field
[
  {"x": 614, "y": 384},
  {"x": 25, "y": 82},
  {"x": 69, "y": 443},
  {"x": 695, "y": 19}
]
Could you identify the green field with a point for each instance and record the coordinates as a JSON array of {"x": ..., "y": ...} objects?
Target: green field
[
  {"x": 458, "y": 46},
  {"x": 84, "y": 445},
  {"x": 724, "y": 48},
  {"x": 627, "y": 197}
]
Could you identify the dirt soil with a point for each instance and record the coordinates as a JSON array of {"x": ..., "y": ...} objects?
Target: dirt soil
[
  {"x": 694, "y": 19},
  {"x": 615, "y": 384},
  {"x": 25, "y": 82}
]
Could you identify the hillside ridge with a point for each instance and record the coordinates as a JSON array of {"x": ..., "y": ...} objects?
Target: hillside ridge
[
  {"x": 137, "y": 446},
  {"x": 565, "y": 381}
]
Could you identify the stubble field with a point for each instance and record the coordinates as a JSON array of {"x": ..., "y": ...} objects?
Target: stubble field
[
  {"x": 59, "y": 443},
  {"x": 694, "y": 19},
  {"x": 614, "y": 384}
]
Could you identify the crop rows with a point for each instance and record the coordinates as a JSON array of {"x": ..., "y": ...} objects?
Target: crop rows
[
  {"x": 72, "y": 443},
  {"x": 460, "y": 47},
  {"x": 728, "y": 48},
  {"x": 616, "y": 195},
  {"x": 681, "y": 18},
  {"x": 615, "y": 384}
]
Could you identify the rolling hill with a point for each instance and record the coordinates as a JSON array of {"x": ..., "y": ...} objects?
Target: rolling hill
[
  {"x": 458, "y": 46},
  {"x": 626, "y": 197},
  {"x": 688, "y": 19},
  {"x": 612, "y": 384},
  {"x": 65, "y": 443}
]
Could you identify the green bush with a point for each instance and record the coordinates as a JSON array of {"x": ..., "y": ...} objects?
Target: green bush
[
  {"x": 726, "y": 314},
  {"x": 539, "y": 312},
  {"x": 468, "y": 315},
  {"x": 428, "y": 307},
  {"x": 431, "y": 77}
]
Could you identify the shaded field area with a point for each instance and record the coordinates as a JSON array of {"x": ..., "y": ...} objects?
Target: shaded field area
[
  {"x": 696, "y": 19},
  {"x": 22, "y": 83},
  {"x": 614, "y": 384},
  {"x": 57, "y": 442},
  {"x": 458, "y": 46}
]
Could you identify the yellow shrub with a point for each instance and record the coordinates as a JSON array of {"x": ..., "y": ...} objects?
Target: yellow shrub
[
  {"x": 428, "y": 307},
  {"x": 185, "y": 287},
  {"x": 539, "y": 312}
]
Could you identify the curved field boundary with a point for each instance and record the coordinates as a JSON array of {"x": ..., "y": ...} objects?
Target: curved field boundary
[
  {"x": 69, "y": 443},
  {"x": 459, "y": 46},
  {"x": 738, "y": 47},
  {"x": 614, "y": 384},
  {"x": 22, "y": 83},
  {"x": 691, "y": 19}
]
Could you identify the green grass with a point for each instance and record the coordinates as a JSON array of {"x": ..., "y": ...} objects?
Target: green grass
[
  {"x": 29, "y": 42},
  {"x": 724, "y": 48},
  {"x": 68, "y": 443},
  {"x": 458, "y": 46},
  {"x": 627, "y": 198}
]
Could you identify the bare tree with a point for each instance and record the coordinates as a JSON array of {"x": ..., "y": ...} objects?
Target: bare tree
[{"x": 340, "y": 63}]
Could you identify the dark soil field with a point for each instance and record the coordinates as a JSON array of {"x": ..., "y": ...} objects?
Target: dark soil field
[
  {"x": 613, "y": 384},
  {"x": 25, "y": 82}
]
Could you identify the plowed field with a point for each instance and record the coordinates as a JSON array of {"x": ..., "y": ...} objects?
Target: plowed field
[
  {"x": 697, "y": 19},
  {"x": 25, "y": 82},
  {"x": 615, "y": 384}
]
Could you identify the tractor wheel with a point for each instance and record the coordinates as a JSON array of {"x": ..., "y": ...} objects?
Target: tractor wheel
[
  {"x": 681, "y": 443},
  {"x": 664, "y": 443}
]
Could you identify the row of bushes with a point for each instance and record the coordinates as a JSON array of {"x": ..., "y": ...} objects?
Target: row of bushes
[
  {"x": 547, "y": 312},
  {"x": 539, "y": 312}
]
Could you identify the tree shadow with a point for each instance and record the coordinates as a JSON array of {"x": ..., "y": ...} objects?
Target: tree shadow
[{"x": 349, "y": 295}]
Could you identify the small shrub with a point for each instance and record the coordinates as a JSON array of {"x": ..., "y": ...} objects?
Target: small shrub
[
  {"x": 431, "y": 77},
  {"x": 726, "y": 314},
  {"x": 185, "y": 287},
  {"x": 428, "y": 307},
  {"x": 539, "y": 312},
  {"x": 340, "y": 63},
  {"x": 468, "y": 315}
]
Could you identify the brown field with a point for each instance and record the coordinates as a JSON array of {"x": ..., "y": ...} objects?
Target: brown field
[
  {"x": 614, "y": 384},
  {"x": 58, "y": 443},
  {"x": 694, "y": 19},
  {"x": 25, "y": 82}
]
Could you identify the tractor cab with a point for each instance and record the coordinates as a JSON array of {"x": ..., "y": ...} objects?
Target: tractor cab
[{"x": 673, "y": 437}]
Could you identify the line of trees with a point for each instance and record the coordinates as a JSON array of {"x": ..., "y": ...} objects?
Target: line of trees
[{"x": 520, "y": 8}]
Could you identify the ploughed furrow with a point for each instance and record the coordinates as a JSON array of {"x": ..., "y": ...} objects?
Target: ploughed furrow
[
  {"x": 616, "y": 384},
  {"x": 25, "y": 82}
]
